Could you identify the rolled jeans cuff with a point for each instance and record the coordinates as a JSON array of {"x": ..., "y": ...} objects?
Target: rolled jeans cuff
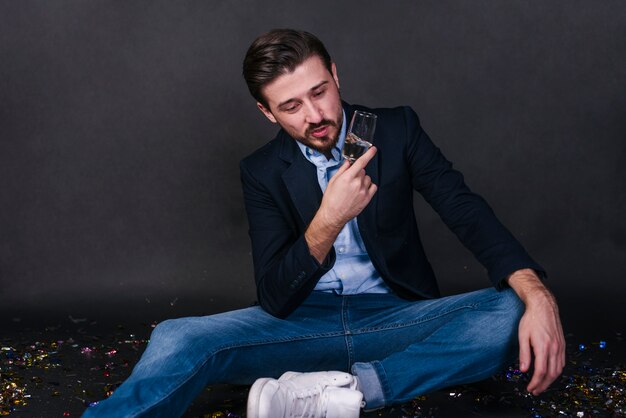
[{"x": 371, "y": 381}]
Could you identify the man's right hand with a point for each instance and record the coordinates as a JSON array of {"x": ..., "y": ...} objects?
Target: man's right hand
[
  {"x": 347, "y": 194},
  {"x": 348, "y": 191}
]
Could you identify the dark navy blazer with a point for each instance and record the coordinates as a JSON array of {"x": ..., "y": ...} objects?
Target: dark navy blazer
[{"x": 282, "y": 195}]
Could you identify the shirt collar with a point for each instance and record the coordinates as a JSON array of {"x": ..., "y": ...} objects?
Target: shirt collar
[{"x": 318, "y": 158}]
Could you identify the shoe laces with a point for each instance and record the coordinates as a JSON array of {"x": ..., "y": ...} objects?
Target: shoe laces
[{"x": 308, "y": 403}]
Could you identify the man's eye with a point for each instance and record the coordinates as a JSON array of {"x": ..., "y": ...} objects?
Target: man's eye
[
  {"x": 318, "y": 93},
  {"x": 291, "y": 108}
]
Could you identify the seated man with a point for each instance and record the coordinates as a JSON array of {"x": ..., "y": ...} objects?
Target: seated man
[{"x": 342, "y": 279}]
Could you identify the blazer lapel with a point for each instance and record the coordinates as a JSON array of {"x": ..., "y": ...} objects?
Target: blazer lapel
[{"x": 300, "y": 179}]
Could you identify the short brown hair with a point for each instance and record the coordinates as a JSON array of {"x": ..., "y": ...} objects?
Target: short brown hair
[{"x": 278, "y": 52}]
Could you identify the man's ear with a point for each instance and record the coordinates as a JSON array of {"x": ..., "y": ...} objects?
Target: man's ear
[
  {"x": 333, "y": 70},
  {"x": 266, "y": 112}
]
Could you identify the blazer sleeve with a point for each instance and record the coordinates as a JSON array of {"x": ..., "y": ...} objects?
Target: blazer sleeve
[
  {"x": 284, "y": 269},
  {"x": 467, "y": 214}
]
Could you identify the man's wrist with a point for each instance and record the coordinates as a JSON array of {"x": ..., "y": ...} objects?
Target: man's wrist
[
  {"x": 320, "y": 236},
  {"x": 527, "y": 284},
  {"x": 328, "y": 221}
]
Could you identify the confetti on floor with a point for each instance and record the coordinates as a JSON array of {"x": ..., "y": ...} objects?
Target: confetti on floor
[{"x": 44, "y": 375}]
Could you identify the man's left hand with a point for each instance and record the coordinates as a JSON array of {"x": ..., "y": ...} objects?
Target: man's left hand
[{"x": 540, "y": 331}]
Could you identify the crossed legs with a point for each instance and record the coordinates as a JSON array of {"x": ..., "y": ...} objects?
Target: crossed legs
[{"x": 398, "y": 349}]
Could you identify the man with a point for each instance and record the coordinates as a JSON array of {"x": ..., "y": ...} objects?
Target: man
[{"x": 342, "y": 280}]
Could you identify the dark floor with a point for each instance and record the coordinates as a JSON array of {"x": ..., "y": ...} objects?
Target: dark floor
[{"x": 58, "y": 370}]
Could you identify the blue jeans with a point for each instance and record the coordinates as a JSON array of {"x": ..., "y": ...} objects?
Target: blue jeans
[{"x": 398, "y": 349}]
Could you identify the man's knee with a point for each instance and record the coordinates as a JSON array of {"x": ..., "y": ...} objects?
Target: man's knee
[
  {"x": 502, "y": 340},
  {"x": 511, "y": 306},
  {"x": 166, "y": 329},
  {"x": 179, "y": 332}
]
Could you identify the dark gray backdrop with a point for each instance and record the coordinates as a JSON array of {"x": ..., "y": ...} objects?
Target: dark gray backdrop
[{"x": 122, "y": 124}]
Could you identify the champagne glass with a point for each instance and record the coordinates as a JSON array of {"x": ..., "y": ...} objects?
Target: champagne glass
[{"x": 360, "y": 135}]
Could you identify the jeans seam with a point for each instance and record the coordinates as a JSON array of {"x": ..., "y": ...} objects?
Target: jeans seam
[
  {"x": 345, "y": 319},
  {"x": 281, "y": 340},
  {"x": 473, "y": 305},
  {"x": 415, "y": 322}
]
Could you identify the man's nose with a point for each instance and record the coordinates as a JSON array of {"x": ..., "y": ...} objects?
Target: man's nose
[{"x": 313, "y": 114}]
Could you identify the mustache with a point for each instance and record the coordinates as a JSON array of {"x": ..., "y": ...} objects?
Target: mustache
[{"x": 325, "y": 122}]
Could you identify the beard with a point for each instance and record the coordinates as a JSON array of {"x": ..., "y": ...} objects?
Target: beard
[{"x": 325, "y": 144}]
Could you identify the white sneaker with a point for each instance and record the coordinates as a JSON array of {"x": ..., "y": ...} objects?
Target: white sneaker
[{"x": 311, "y": 395}]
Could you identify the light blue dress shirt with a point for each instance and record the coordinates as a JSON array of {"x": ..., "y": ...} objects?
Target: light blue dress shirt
[{"x": 353, "y": 272}]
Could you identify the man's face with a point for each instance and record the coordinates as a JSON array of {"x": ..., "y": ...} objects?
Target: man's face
[{"x": 306, "y": 104}]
